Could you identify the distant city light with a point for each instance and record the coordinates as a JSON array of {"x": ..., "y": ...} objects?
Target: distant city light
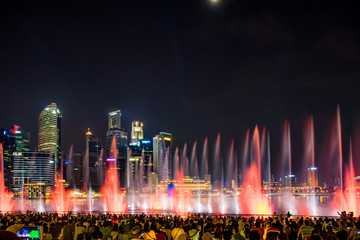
[{"x": 110, "y": 159}]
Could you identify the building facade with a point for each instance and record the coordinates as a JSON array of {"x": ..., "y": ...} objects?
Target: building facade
[
  {"x": 95, "y": 161},
  {"x": 49, "y": 139},
  {"x": 32, "y": 170},
  {"x": 140, "y": 157},
  {"x": 162, "y": 146},
  {"x": 77, "y": 164},
  {"x": 121, "y": 138},
  {"x": 313, "y": 177},
  {"x": 14, "y": 140},
  {"x": 137, "y": 131}
]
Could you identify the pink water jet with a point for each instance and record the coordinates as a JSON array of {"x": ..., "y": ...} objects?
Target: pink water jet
[
  {"x": 338, "y": 121},
  {"x": 286, "y": 153},
  {"x": 112, "y": 197},
  {"x": 194, "y": 166},
  {"x": 205, "y": 159},
  {"x": 7, "y": 203},
  {"x": 309, "y": 143},
  {"x": 60, "y": 197},
  {"x": 348, "y": 199},
  {"x": 185, "y": 161},
  {"x": 252, "y": 199},
  {"x": 245, "y": 155}
]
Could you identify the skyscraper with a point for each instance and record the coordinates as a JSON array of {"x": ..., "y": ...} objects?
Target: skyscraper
[
  {"x": 313, "y": 177},
  {"x": 162, "y": 145},
  {"x": 15, "y": 140},
  {"x": 94, "y": 148},
  {"x": 77, "y": 159},
  {"x": 137, "y": 131},
  {"x": 121, "y": 138},
  {"x": 137, "y": 150},
  {"x": 115, "y": 130},
  {"x": 114, "y": 120},
  {"x": 50, "y": 133},
  {"x": 33, "y": 173}
]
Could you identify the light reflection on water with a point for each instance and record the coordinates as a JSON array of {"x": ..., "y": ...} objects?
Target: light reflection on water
[{"x": 315, "y": 205}]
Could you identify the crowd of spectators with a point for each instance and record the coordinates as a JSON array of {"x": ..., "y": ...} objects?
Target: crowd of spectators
[{"x": 192, "y": 227}]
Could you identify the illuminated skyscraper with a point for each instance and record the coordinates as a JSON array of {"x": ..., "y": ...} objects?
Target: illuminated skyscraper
[
  {"x": 162, "y": 144},
  {"x": 114, "y": 120},
  {"x": 33, "y": 171},
  {"x": 137, "y": 149},
  {"x": 50, "y": 133},
  {"x": 95, "y": 167},
  {"x": 121, "y": 138},
  {"x": 15, "y": 140},
  {"x": 313, "y": 177},
  {"x": 137, "y": 131}
]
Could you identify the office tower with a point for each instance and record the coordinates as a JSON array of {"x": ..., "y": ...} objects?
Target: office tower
[
  {"x": 137, "y": 131},
  {"x": 162, "y": 145},
  {"x": 33, "y": 174},
  {"x": 114, "y": 120},
  {"x": 93, "y": 148},
  {"x": 313, "y": 177},
  {"x": 50, "y": 133},
  {"x": 77, "y": 162},
  {"x": 290, "y": 180},
  {"x": 137, "y": 149},
  {"x": 15, "y": 140},
  {"x": 121, "y": 138}
]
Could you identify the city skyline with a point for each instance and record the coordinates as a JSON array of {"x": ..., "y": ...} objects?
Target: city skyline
[
  {"x": 115, "y": 129},
  {"x": 190, "y": 68}
]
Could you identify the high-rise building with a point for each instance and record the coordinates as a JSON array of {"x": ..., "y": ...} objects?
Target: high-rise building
[
  {"x": 50, "y": 133},
  {"x": 95, "y": 161},
  {"x": 34, "y": 171},
  {"x": 15, "y": 140},
  {"x": 138, "y": 147},
  {"x": 313, "y": 177},
  {"x": 162, "y": 145},
  {"x": 290, "y": 180},
  {"x": 121, "y": 138},
  {"x": 137, "y": 150},
  {"x": 77, "y": 162},
  {"x": 114, "y": 120},
  {"x": 137, "y": 131}
]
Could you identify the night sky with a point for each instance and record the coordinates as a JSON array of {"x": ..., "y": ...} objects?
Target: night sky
[{"x": 191, "y": 68}]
